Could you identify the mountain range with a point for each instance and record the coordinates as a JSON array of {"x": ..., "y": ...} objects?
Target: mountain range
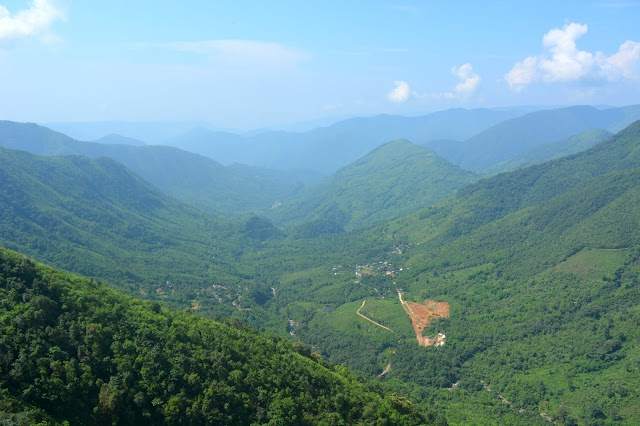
[
  {"x": 521, "y": 134},
  {"x": 537, "y": 267},
  {"x": 184, "y": 175}
]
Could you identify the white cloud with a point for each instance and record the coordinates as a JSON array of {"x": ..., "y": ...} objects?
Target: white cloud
[
  {"x": 523, "y": 73},
  {"x": 625, "y": 63},
  {"x": 468, "y": 84},
  {"x": 562, "y": 61},
  {"x": 31, "y": 22},
  {"x": 469, "y": 81},
  {"x": 400, "y": 93},
  {"x": 242, "y": 51},
  {"x": 566, "y": 63}
]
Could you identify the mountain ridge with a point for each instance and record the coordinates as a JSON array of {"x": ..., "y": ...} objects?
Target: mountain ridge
[{"x": 394, "y": 179}]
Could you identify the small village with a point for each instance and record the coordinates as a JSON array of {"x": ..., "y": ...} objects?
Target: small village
[{"x": 385, "y": 268}]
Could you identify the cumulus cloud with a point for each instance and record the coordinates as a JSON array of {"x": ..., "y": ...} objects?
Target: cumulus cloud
[
  {"x": 241, "y": 50},
  {"x": 469, "y": 81},
  {"x": 400, "y": 93},
  {"x": 468, "y": 84},
  {"x": 34, "y": 21},
  {"x": 625, "y": 63},
  {"x": 562, "y": 61}
]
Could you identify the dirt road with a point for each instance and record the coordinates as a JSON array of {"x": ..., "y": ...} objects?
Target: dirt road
[{"x": 370, "y": 320}]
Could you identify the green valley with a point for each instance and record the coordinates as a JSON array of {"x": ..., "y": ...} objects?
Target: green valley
[
  {"x": 538, "y": 270},
  {"x": 319, "y": 213}
]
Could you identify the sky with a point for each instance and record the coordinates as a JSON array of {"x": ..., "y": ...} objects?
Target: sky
[{"x": 257, "y": 64}]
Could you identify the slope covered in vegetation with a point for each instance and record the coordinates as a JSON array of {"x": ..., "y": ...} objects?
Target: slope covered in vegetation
[
  {"x": 540, "y": 269},
  {"x": 518, "y": 135},
  {"x": 229, "y": 191},
  {"x": 393, "y": 180},
  {"x": 73, "y": 350},
  {"x": 551, "y": 151}
]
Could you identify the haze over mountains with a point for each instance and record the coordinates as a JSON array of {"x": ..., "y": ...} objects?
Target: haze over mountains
[
  {"x": 538, "y": 267},
  {"x": 488, "y": 136},
  {"x": 185, "y": 175}
]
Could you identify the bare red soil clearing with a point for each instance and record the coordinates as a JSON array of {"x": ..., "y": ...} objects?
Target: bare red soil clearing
[{"x": 421, "y": 316}]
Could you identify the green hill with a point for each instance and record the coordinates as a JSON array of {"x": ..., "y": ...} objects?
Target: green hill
[
  {"x": 492, "y": 198},
  {"x": 540, "y": 269},
  {"x": 74, "y": 351},
  {"x": 230, "y": 191},
  {"x": 97, "y": 218},
  {"x": 393, "y": 180},
  {"x": 551, "y": 151}
]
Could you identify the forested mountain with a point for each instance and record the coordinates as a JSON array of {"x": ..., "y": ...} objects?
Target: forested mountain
[
  {"x": 97, "y": 218},
  {"x": 540, "y": 269},
  {"x": 74, "y": 351},
  {"x": 530, "y": 276},
  {"x": 521, "y": 134},
  {"x": 551, "y": 151},
  {"x": 330, "y": 148},
  {"x": 230, "y": 191},
  {"x": 395, "y": 179}
]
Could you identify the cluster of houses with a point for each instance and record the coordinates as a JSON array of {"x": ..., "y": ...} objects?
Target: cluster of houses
[{"x": 383, "y": 267}]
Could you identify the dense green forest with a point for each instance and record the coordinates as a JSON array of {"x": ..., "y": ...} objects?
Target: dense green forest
[
  {"x": 393, "y": 180},
  {"x": 551, "y": 151},
  {"x": 189, "y": 177},
  {"x": 540, "y": 268},
  {"x": 75, "y": 351}
]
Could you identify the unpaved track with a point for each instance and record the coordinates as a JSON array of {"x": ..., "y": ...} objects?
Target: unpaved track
[
  {"x": 386, "y": 370},
  {"x": 370, "y": 320}
]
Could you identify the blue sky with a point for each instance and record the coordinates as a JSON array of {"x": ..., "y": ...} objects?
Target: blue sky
[{"x": 252, "y": 64}]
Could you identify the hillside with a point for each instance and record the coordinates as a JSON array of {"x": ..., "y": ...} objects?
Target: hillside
[
  {"x": 518, "y": 135},
  {"x": 494, "y": 197},
  {"x": 230, "y": 191},
  {"x": 537, "y": 268},
  {"x": 395, "y": 179},
  {"x": 97, "y": 218},
  {"x": 75, "y": 351},
  {"x": 540, "y": 270},
  {"x": 551, "y": 151}
]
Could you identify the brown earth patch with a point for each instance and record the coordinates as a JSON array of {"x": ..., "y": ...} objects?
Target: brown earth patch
[{"x": 421, "y": 316}]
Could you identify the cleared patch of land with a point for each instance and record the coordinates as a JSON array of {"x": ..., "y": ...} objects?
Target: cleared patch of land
[
  {"x": 369, "y": 319},
  {"x": 594, "y": 262},
  {"x": 421, "y": 316}
]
